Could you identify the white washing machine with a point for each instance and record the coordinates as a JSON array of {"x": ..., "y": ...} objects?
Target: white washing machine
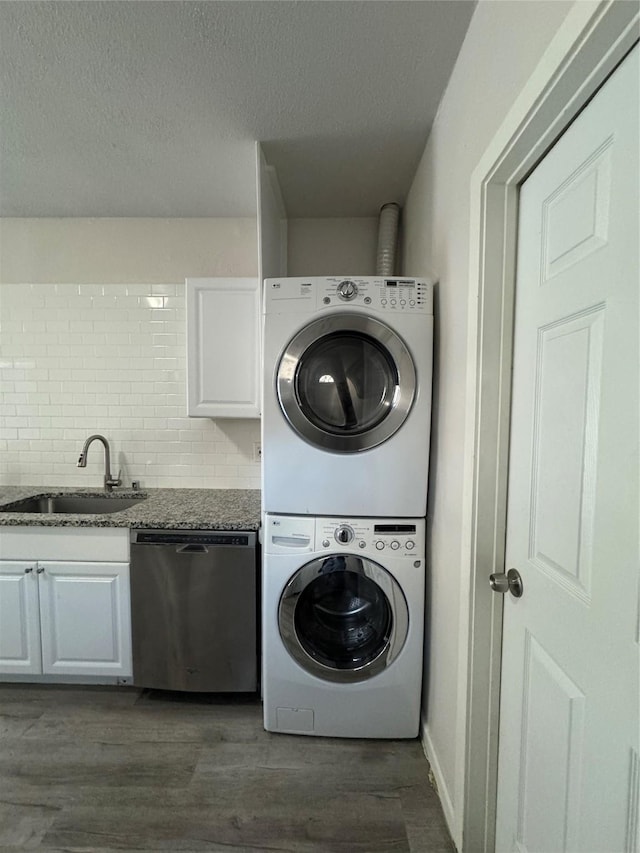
[
  {"x": 347, "y": 395},
  {"x": 342, "y": 625}
]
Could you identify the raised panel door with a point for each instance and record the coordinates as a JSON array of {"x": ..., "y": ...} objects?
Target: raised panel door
[
  {"x": 85, "y": 618},
  {"x": 570, "y": 718},
  {"x": 20, "y": 652},
  {"x": 223, "y": 345}
]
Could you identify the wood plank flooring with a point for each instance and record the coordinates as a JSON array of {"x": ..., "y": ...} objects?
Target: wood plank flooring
[{"x": 96, "y": 769}]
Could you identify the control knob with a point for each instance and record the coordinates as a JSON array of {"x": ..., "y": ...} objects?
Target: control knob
[
  {"x": 347, "y": 290},
  {"x": 344, "y": 534}
]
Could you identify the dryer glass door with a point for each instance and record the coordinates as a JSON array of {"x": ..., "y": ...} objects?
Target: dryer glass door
[
  {"x": 343, "y": 618},
  {"x": 346, "y": 382}
]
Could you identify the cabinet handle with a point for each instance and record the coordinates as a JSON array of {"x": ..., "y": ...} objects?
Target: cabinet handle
[
  {"x": 39, "y": 571},
  {"x": 27, "y": 571}
]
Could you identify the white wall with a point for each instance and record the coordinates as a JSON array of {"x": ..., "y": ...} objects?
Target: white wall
[
  {"x": 332, "y": 246},
  {"x": 125, "y": 251},
  {"x": 504, "y": 44},
  {"x": 272, "y": 221},
  {"x": 92, "y": 339}
]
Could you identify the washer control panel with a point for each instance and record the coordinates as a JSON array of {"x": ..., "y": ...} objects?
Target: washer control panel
[{"x": 400, "y": 538}]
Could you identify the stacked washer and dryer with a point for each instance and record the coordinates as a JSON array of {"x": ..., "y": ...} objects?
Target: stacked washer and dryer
[{"x": 345, "y": 448}]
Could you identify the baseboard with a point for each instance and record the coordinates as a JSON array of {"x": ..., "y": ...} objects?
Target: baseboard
[{"x": 441, "y": 788}]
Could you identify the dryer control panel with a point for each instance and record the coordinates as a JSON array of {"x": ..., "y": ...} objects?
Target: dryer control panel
[{"x": 393, "y": 294}]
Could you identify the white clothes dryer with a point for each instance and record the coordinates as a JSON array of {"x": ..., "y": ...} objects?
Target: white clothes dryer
[
  {"x": 347, "y": 395},
  {"x": 343, "y": 625}
]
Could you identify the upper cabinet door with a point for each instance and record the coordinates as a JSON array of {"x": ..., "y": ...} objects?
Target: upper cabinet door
[{"x": 223, "y": 347}]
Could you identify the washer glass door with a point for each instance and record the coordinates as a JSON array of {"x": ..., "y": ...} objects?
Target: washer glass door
[
  {"x": 343, "y": 618},
  {"x": 346, "y": 382}
]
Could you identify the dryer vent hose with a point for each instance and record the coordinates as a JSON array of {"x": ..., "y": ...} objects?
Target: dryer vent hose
[{"x": 387, "y": 239}]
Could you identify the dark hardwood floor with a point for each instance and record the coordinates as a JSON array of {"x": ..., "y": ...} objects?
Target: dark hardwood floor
[{"x": 98, "y": 769}]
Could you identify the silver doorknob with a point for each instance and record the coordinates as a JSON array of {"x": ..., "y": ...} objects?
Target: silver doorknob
[{"x": 511, "y": 582}]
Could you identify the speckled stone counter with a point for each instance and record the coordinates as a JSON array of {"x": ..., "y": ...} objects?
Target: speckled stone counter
[{"x": 185, "y": 509}]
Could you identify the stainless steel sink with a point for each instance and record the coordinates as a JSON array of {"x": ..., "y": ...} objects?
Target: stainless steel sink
[{"x": 77, "y": 504}]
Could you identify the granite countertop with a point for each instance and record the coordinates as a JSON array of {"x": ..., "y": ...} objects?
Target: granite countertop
[{"x": 185, "y": 509}]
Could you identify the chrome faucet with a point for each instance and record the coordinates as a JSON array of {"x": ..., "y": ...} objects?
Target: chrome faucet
[{"x": 109, "y": 481}]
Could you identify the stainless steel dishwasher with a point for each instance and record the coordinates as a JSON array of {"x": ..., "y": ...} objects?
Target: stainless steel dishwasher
[{"x": 194, "y": 609}]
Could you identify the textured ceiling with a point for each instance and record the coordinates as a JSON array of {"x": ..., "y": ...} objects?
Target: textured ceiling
[{"x": 132, "y": 108}]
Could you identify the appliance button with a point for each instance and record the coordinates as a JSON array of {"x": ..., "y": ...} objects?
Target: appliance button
[
  {"x": 379, "y": 545},
  {"x": 367, "y": 300},
  {"x": 403, "y": 302},
  {"x": 325, "y": 543},
  {"x": 393, "y": 301},
  {"x": 383, "y": 302},
  {"x": 395, "y": 545},
  {"x": 410, "y": 545},
  {"x": 412, "y": 302},
  {"x": 326, "y": 300},
  {"x": 362, "y": 544}
]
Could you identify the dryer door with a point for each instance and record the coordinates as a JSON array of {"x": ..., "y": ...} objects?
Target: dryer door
[
  {"x": 346, "y": 382},
  {"x": 343, "y": 618}
]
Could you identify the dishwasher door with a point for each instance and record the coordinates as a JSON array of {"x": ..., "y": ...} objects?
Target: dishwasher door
[{"x": 193, "y": 610}]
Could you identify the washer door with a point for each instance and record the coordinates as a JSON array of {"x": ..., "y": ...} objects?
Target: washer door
[
  {"x": 346, "y": 383},
  {"x": 343, "y": 618}
]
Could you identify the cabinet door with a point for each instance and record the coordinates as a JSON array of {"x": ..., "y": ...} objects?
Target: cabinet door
[
  {"x": 85, "y": 618},
  {"x": 19, "y": 619},
  {"x": 223, "y": 347}
]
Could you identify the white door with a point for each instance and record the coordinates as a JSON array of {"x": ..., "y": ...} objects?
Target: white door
[
  {"x": 85, "y": 618},
  {"x": 569, "y": 764},
  {"x": 19, "y": 619}
]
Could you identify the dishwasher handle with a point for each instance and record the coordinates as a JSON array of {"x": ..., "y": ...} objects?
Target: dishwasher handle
[{"x": 192, "y": 549}]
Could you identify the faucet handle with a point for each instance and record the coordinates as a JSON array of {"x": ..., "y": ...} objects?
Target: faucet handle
[{"x": 110, "y": 482}]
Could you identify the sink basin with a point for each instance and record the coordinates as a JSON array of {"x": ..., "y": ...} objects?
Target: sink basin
[{"x": 77, "y": 504}]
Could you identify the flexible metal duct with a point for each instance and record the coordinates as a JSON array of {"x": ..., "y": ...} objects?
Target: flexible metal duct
[{"x": 387, "y": 239}]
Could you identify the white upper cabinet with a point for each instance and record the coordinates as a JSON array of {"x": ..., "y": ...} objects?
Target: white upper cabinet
[{"x": 223, "y": 347}]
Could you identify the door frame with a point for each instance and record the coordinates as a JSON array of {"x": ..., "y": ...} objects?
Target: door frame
[{"x": 593, "y": 39}]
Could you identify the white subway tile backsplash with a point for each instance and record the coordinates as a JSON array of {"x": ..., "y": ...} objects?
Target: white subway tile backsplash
[{"x": 79, "y": 359}]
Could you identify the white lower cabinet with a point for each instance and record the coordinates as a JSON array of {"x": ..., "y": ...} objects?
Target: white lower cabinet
[
  {"x": 65, "y": 618},
  {"x": 20, "y": 649}
]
